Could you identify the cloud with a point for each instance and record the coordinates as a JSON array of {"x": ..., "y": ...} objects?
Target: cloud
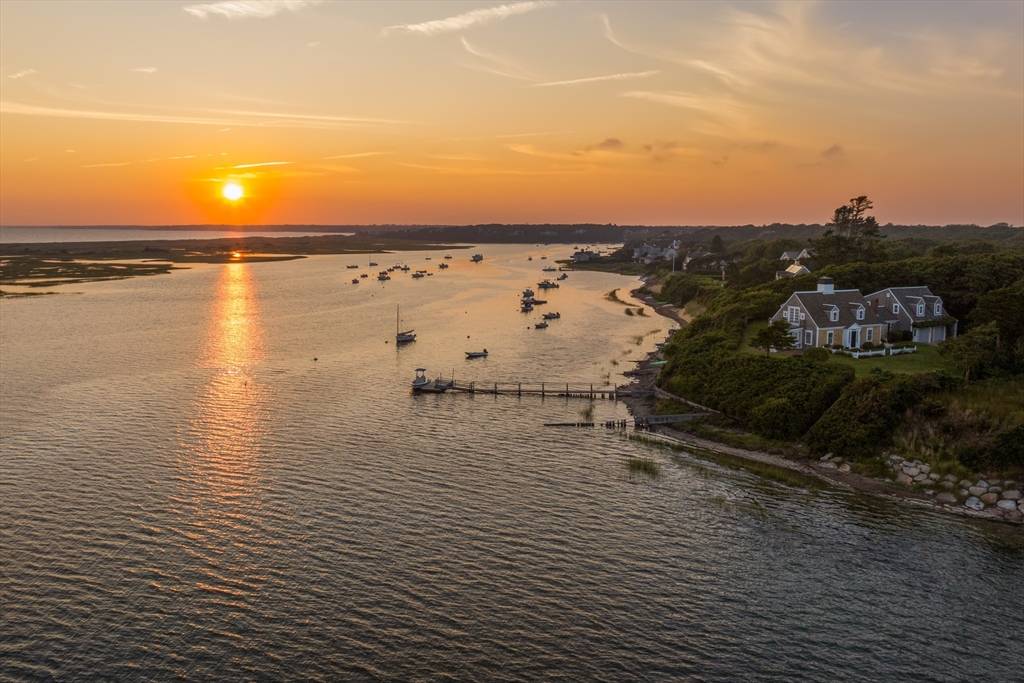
[
  {"x": 145, "y": 69},
  {"x": 22, "y": 74},
  {"x": 108, "y": 164},
  {"x": 496, "y": 65},
  {"x": 261, "y": 164},
  {"x": 608, "y": 144},
  {"x": 246, "y": 9},
  {"x": 596, "y": 79},
  {"x": 355, "y": 155},
  {"x": 254, "y": 119},
  {"x": 466, "y": 20},
  {"x": 664, "y": 150},
  {"x": 833, "y": 153}
]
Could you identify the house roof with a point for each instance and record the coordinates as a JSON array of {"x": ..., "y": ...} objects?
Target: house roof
[
  {"x": 846, "y": 300},
  {"x": 909, "y": 297},
  {"x": 789, "y": 256}
]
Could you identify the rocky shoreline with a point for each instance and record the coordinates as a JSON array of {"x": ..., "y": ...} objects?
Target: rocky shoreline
[{"x": 913, "y": 482}]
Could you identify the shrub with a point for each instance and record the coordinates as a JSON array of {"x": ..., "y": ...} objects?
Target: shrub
[
  {"x": 817, "y": 355},
  {"x": 868, "y": 346}
]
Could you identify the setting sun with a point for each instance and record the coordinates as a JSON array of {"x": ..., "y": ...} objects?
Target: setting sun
[{"x": 232, "y": 192}]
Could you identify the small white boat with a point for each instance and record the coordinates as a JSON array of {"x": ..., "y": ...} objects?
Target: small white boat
[
  {"x": 554, "y": 315},
  {"x": 527, "y": 293},
  {"x": 477, "y": 258},
  {"x": 526, "y": 307},
  {"x": 542, "y": 325},
  {"x": 563, "y": 276},
  {"x": 549, "y": 269},
  {"x": 402, "y": 337},
  {"x": 422, "y": 384},
  {"x": 476, "y": 354}
]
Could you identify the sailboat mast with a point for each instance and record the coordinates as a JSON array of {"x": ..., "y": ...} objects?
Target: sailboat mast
[{"x": 398, "y": 321}]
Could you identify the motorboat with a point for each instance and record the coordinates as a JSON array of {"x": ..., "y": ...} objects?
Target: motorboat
[
  {"x": 526, "y": 306},
  {"x": 476, "y": 354},
  {"x": 418, "y": 274},
  {"x": 422, "y": 384},
  {"x": 405, "y": 269},
  {"x": 547, "y": 284},
  {"x": 553, "y": 315},
  {"x": 527, "y": 293},
  {"x": 355, "y": 281},
  {"x": 442, "y": 265},
  {"x": 362, "y": 275},
  {"x": 427, "y": 259},
  {"x": 477, "y": 258},
  {"x": 448, "y": 257},
  {"x": 383, "y": 275},
  {"x": 372, "y": 264},
  {"x": 542, "y": 325},
  {"x": 400, "y": 336},
  {"x": 543, "y": 258},
  {"x": 549, "y": 269},
  {"x": 352, "y": 265},
  {"x": 563, "y": 276}
]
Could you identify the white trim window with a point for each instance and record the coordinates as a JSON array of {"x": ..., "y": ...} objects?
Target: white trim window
[
  {"x": 860, "y": 313},
  {"x": 833, "y": 314},
  {"x": 869, "y": 335},
  {"x": 792, "y": 314},
  {"x": 895, "y": 308},
  {"x": 920, "y": 309},
  {"x": 938, "y": 308},
  {"x": 808, "y": 337},
  {"x": 830, "y": 338}
]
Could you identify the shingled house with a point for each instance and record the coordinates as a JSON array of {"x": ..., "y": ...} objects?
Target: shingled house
[
  {"x": 828, "y": 317},
  {"x": 915, "y": 310}
]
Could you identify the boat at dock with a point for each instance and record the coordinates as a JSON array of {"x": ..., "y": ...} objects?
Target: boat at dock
[
  {"x": 526, "y": 306},
  {"x": 400, "y": 336},
  {"x": 422, "y": 384},
  {"x": 477, "y": 258},
  {"x": 476, "y": 354}
]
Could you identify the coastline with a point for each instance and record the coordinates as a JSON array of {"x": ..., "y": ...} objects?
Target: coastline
[{"x": 640, "y": 403}]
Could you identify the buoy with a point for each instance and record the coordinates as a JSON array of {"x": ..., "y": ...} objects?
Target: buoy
[{"x": 315, "y": 358}]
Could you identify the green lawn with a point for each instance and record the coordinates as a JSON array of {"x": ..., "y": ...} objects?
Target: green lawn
[{"x": 926, "y": 359}]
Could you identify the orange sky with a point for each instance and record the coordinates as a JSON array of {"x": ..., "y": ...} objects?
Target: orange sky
[{"x": 456, "y": 112}]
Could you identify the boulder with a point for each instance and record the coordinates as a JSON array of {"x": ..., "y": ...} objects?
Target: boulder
[
  {"x": 950, "y": 478},
  {"x": 946, "y": 498},
  {"x": 845, "y": 467},
  {"x": 904, "y": 479},
  {"x": 995, "y": 489},
  {"x": 933, "y": 477},
  {"x": 947, "y": 485},
  {"x": 983, "y": 484},
  {"x": 974, "y": 504},
  {"x": 964, "y": 484},
  {"x": 912, "y": 471},
  {"x": 977, "y": 490},
  {"x": 1014, "y": 515},
  {"x": 925, "y": 468},
  {"x": 921, "y": 478},
  {"x": 1012, "y": 494},
  {"x": 989, "y": 498},
  {"x": 826, "y": 457},
  {"x": 828, "y": 465},
  {"x": 1007, "y": 505},
  {"x": 964, "y": 493}
]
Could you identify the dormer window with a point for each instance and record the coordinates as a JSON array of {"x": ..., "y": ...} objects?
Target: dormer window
[
  {"x": 938, "y": 308},
  {"x": 895, "y": 308},
  {"x": 833, "y": 314},
  {"x": 860, "y": 313},
  {"x": 920, "y": 310}
]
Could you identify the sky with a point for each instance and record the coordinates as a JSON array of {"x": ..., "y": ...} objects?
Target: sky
[{"x": 683, "y": 113}]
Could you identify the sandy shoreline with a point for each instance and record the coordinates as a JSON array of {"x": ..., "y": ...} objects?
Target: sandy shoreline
[{"x": 640, "y": 402}]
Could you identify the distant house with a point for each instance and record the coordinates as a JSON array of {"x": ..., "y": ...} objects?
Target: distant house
[
  {"x": 793, "y": 270},
  {"x": 828, "y": 316},
  {"x": 915, "y": 310},
  {"x": 584, "y": 255},
  {"x": 649, "y": 253},
  {"x": 800, "y": 255}
]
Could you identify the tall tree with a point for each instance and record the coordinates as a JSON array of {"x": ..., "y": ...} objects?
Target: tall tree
[
  {"x": 775, "y": 336},
  {"x": 852, "y": 234},
  {"x": 974, "y": 351}
]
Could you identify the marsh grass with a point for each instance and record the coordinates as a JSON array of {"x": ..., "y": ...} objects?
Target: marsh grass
[{"x": 643, "y": 466}]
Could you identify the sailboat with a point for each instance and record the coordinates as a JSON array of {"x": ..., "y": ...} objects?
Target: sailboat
[{"x": 402, "y": 337}]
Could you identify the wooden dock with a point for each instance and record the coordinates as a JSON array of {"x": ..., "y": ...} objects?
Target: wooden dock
[{"x": 542, "y": 389}]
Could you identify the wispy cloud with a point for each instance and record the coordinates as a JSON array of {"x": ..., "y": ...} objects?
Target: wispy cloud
[
  {"x": 145, "y": 69},
  {"x": 108, "y": 164},
  {"x": 461, "y": 22},
  {"x": 22, "y": 74},
  {"x": 247, "y": 9},
  {"x": 225, "y": 118},
  {"x": 833, "y": 152},
  {"x": 260, "y": 164},
  {"x": 596, "y": 79},
  {"x": 499, "y": 66},
  {"x": 493, "y": 171}
]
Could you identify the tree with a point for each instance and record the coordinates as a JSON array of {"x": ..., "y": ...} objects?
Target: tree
[
  {"x": 775, "y": 336},
  {"x": 972, "y": 352},
  {"x": 717, "y": 245},
  {"x": 851, "y": 235}
]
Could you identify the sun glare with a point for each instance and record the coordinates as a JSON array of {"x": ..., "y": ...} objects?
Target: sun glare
[{"x": 232, "y": 192}]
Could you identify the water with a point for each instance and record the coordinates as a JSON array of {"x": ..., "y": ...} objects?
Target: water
[
  {"x": 11, "y": 235},
  {"x": 185, "y": 492}
]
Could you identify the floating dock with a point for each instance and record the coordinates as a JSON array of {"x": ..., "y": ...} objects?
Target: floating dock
[{"x": 542, "y": 389}]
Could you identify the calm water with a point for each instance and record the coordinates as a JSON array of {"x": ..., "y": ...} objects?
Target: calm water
[
  {"x": 9, "y": 235},
  {"x": 184, "y": 492}
]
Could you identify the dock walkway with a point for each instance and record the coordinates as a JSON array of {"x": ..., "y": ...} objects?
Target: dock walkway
[{"x": 542, "y": 389}]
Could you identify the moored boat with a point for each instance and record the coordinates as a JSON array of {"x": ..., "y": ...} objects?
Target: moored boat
[
  {"x": 400, "y": 336},
  {"x": 547, "y": 284},
  {"x": 476, "y": 354},
  {"x": 422, "y": 384},
  {"x": 477, "y": 258},
  {"x": 553, "y": 315},
  {"x": 355, "y": 281},
  {"x": 542, "y": 325}
]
